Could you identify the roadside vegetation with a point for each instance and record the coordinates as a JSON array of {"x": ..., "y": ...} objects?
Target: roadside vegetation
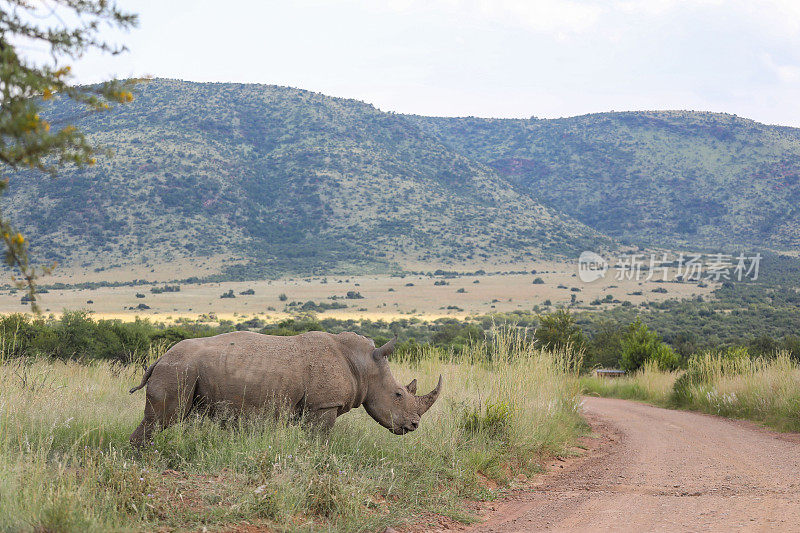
[
  {"x": 65, "y": 462},
  {"x": 725, "y": 382}
]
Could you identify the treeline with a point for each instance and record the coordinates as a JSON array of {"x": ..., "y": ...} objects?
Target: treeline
[
  {"x": 608, "y": 339},
  {"x": 76, "y": 335}
]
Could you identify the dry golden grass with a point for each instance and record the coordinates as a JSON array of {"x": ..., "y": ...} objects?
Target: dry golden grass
[
  {"x": 727, "y": 383},
  {"x": 385, "y": 297},
  {"x": 65, "y": 464}
]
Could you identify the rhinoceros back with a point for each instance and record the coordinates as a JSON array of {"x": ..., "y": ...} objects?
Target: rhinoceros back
[{"x": 246, "y": 370}]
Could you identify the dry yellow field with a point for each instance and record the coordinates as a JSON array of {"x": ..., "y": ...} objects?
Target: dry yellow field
[{"x": 384, "y": 297}]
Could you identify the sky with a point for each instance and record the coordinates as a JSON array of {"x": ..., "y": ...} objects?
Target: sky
[{"x": 488, "y": 58}]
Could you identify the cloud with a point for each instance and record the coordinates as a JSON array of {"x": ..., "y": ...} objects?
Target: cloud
[
  {"x": 784, "y": 72},
  {"x": 554, "y": 17}
]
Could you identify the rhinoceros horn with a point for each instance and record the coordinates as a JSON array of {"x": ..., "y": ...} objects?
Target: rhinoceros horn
[
  {"x": 426, "y": 401},
  {"x": 385, "y": 350}
]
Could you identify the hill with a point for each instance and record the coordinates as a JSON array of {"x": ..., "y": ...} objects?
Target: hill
[
  {"x": 281, "y": 179},
  {"x": 278, "y": 180},
  {"x": 674, "y": 178}
]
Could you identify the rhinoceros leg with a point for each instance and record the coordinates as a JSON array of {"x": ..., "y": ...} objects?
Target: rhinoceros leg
[
  {"x": 164, "y": 405},
  {"x": 145, "y": 429},
  {"x": 322, "y": 420}
]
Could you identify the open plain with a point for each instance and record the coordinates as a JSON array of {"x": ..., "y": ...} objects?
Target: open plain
[{"x": 371, "y": 296}]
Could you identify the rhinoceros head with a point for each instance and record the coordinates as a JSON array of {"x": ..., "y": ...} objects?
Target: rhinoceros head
[{"x": 392, "y": 405}]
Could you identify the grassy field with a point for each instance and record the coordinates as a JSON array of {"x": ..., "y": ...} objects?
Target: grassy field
[
  {"x": 65, "y": 462},
  {"x": 380, "y": 296},
  {"x": 765, "y": 390}
]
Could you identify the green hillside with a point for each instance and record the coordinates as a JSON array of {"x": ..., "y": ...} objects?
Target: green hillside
[
  {"x": 288, "y": 180},
  {"x": 672, "y": 177}
]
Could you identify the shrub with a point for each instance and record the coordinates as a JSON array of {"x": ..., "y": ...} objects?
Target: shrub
[
  {"x": 558, "y": 331},
  {"x": 640, "y": 344},
  {"x": 665, "y": 357},
  {"x": 606, "y": 345},
  {"x": 165, "y": 288},
  {"x": 493, "y": 422}
]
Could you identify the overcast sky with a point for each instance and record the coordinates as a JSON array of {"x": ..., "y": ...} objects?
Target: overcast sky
[{"x": 498, "y": 58}]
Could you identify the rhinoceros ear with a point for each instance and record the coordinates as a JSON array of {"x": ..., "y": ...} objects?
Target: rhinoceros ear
[
  {"x": 412, "y": 387},
  {"x": 384, "y": 350}
]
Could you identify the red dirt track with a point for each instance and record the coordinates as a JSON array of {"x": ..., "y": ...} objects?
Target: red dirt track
[{"x": 653, "y": 469}]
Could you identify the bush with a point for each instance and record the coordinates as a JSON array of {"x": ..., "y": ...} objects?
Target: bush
[
  {"x": 665, "y": 358},
  {"x": 640, "y": 344},
  {"x": 558, "y": 331},
  {"x": 75, "y": 335},
  {"x": 165, "y": 288},
  {"x": 493, "y": 422}
]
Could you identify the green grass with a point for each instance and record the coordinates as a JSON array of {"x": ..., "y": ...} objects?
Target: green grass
[
  {"x": 649, "y": 384},
  {"x": 765, "y": 390},
  {"x": 65, "y": 463}
]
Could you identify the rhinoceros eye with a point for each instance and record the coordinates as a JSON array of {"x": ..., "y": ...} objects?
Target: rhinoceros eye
[{"x": 398, "y": 394}]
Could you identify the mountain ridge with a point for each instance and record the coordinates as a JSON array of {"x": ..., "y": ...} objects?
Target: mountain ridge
[
  {"x": 282, "y": 180},
  {"x": 676, "y": 178},
  {"x": 285, "y": 180}
]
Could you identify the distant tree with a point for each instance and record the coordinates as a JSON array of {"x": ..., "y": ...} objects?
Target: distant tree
[
  {"x": 763, "y": 345},
  {"x": 557, "y": 331},
  {"x": 66, "y": 30},
  {"x": 640, "y": 344},
  {"x": 605, "y": 348},
  {"x": 791, "y": 343}
]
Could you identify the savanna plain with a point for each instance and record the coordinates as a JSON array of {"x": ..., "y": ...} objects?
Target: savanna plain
[{"x": 66, "y": 464}]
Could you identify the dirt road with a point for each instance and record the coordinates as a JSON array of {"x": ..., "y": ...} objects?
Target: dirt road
[{"x": 663, "y": 470}]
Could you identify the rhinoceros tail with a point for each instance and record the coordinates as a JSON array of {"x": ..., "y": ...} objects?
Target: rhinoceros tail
[{"x": 146, "y": 376}]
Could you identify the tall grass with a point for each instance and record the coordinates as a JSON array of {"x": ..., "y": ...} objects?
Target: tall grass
[
  {"x": 65, "y": 463},
  {"x": 762, "y": 389},
  {"x": 727, "y": 383},
  {"x": 648, "y": 384}
]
